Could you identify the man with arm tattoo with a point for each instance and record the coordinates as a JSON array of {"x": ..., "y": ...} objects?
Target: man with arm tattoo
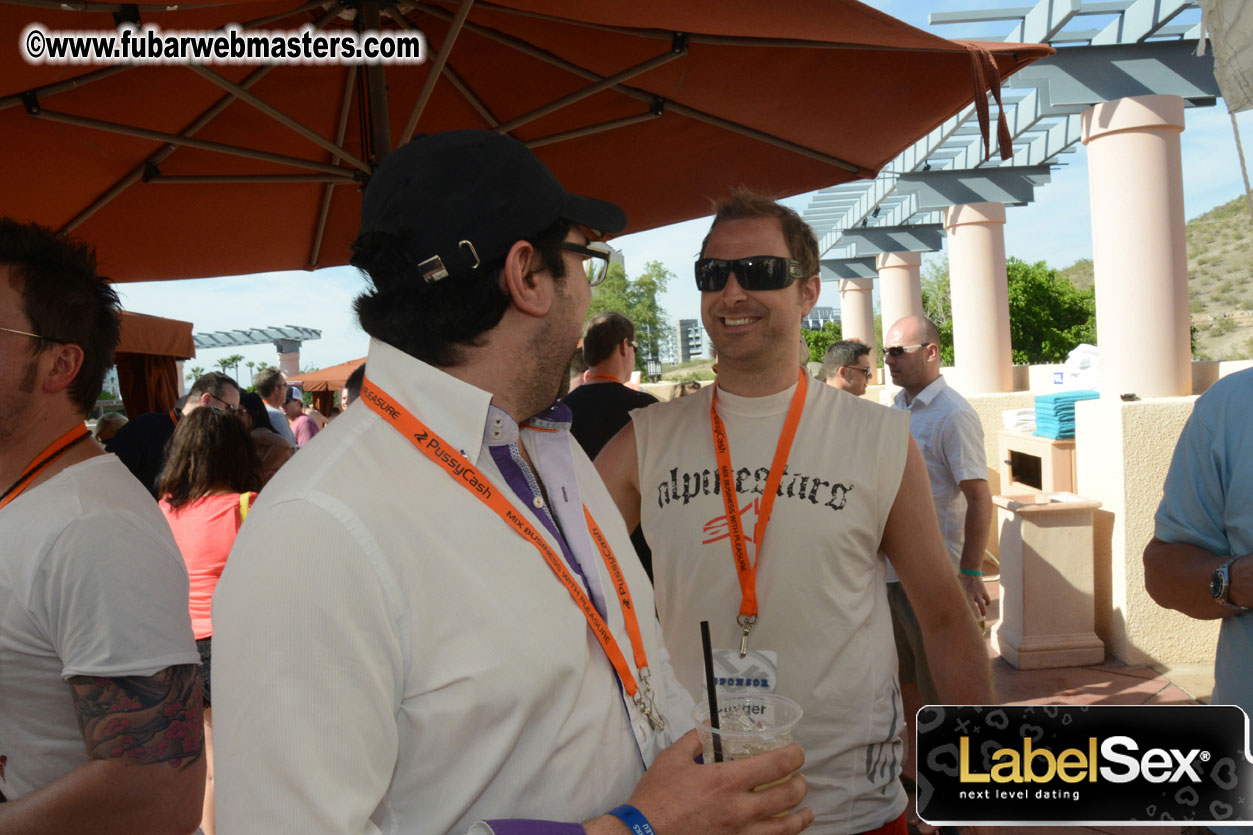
[{"x": 100, "y": 705}]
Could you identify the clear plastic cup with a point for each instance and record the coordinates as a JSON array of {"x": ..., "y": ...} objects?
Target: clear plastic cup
[{"x": 749, "y": 724}]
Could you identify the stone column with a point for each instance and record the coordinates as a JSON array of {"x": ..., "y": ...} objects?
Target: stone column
[
  {"x": 289, "y": 364},
  {"x": 980, "y": 296},
  {"x": 900, "y": 286},
  {"x": 1135, "y": 180},
  {"x": 288, "y": 357},
  {"x": 857, "y": 312}
]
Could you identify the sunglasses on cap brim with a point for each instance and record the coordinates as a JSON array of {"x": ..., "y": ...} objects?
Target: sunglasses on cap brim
[{"x": 760, "y": 272}]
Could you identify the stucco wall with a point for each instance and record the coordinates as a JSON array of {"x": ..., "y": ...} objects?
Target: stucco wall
[{"x": 1123, "y": 451}]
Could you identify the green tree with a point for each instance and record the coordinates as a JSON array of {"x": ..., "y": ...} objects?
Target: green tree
[
  {"x": 1048, "y": 315},
  {"x": 250, "y": 365},
  {"x": 819, "y": 340},
  {"x": 234, "y": 360},
  {"x": 194, "y": 374},
  {"x": 224, "y": 363},
  {"x": 636, "y": 299},
  {"x": 938, "y": 306}
]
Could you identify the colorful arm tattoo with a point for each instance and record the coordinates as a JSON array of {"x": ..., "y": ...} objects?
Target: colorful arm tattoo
[{"x": 147, "y": 719}]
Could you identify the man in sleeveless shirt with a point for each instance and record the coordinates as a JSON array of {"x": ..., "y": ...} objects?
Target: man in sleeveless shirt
[
  {"x": 789, "y": 573},
  {"x": 426, "y": 624},
  {"x": 100, "y": 707}
]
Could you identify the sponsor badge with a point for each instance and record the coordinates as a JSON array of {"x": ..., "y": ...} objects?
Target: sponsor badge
[{"x": 756, "y": 672}]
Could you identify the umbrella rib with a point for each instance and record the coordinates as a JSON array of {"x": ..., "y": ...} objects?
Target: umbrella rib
[
  {"x": 437, "y": 68},
  {"x": 105, "y": 8},
  {"x": 464, "y": 89},
  {"x": 97, "y": 75},
  {"x": 350, "y": 81},
  {"x": 164, "y": 152},
  {"x": 278, "y": 116},
  {"x": 722, "y": 40},
  {"x": 603, "y": 84},
  {"x": 591, "y": 130},
  {"x": 194, "y": 179},
  {"x": 454, "y": 78},
  {"x": 160, "y": 155},
  {"x": 768, "y": 138},
  {"x": 645, "y": 96},
  {"x": 64, "y": 86},
  {"x": 307, "y": 7},
  {"x": 176, "y": 139},
  {"x": 370, "y": 18},
  {"x": 525, "y": 48}
]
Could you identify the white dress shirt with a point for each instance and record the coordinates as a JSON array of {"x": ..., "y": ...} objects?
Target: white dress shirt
[
  {"x": 950, "y": 437},
  {"x": 390, "y": 656}
]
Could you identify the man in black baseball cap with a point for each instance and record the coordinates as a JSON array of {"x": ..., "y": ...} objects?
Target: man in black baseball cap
[{"x": 433, "y": 620}]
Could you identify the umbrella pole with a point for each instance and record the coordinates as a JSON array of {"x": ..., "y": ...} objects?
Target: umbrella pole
[{"x": 376, "y": 83}]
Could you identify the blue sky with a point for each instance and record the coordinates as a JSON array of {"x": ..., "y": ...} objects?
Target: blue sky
[{"x": 1054, "y": 229}]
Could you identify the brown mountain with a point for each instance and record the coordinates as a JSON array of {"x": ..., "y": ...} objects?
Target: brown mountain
[{"x": 1220, "y": 281}]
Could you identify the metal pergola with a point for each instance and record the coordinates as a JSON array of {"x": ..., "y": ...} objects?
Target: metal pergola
[{"x": 1105, "y": 50}]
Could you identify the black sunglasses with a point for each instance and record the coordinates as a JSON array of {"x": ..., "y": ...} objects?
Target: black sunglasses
[{"x": 760, "y": 272}]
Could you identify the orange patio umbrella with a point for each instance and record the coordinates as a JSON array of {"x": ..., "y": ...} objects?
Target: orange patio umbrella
[
  {"x": 325, "y": 382},
  {"x": 179, "y": 171}
]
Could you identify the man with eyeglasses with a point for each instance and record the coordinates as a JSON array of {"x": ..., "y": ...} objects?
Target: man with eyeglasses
[
  {"x": 766, "y": 500},
  {"x": 950, "y": 436},
  {"x": 140, "y": 444},
  {"x": 846, "y": 366},
  {"x": 100, "y": 703},
  {"x": 432, "y": 620}
]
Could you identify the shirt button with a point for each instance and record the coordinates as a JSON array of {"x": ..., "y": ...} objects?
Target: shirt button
[{"x": 538, "y": 502}]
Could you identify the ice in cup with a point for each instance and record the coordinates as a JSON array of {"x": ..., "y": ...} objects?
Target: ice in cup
[{"x": 749, "y": 724}]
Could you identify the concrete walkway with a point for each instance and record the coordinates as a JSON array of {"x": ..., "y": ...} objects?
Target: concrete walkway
[{"x": 1112, "y": 683}]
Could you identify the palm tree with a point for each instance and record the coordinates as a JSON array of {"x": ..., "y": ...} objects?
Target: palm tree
[
  {"x": 195, "y": 373},
  {"x": 250, "y": 365},
  {"x": 224, "y": 363},
  {"x": 235, "y": 360}
]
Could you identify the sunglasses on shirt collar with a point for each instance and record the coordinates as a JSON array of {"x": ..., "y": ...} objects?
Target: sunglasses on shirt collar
[{"x": 759, "y": 272}]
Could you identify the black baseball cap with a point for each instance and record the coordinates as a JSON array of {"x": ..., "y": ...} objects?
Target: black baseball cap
[{"x": 464, "y": 197}]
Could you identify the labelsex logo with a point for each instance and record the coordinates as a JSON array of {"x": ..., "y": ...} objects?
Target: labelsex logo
[{"x": 1039, "y": 765}]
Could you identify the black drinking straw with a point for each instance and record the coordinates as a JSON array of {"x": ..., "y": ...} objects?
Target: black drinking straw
[{"x": 709, "y": 685}]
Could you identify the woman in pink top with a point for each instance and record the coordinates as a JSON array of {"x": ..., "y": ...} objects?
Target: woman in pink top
[{"x": 210, "y": 477}]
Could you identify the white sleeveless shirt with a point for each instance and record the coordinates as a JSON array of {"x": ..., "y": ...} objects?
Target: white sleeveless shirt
[{"x": 820, "y": 579}]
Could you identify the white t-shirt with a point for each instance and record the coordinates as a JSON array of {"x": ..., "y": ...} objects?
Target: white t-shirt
[
  {"x": 278, "y": 420},
  {"x": 820, "y": 579},
  {"x": 91, "y": 583}
]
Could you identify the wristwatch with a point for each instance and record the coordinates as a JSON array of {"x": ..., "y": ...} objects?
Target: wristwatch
[{"x": 1220, "y": 585}]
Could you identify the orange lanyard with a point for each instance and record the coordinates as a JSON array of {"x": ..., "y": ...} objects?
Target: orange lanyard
[
  {"x": 726, "y": 477},
  {"x": 468, "y": 476},
  {"x": 609, "y": 377},
  {"x": 42, "y": 461}
]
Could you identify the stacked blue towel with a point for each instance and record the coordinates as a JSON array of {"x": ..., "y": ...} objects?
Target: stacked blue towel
[{"x": 1055, "y": 413}]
